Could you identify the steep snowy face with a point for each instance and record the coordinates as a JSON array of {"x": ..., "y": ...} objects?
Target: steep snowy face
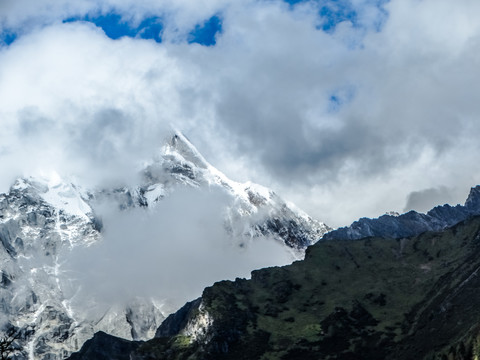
[
  {"x": 256, "y": 210},
  {"x": 39, "y": 221},
  {"x": 42, "y": 220}
]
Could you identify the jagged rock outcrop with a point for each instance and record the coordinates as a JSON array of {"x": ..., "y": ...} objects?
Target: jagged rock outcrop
[{"x": 178, "y": 321}]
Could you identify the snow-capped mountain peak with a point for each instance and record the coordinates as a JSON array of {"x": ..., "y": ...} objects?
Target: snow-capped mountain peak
[
  {"x": 43, "y": 219},
  {"x": 181, "y": 160},
  {"x": 60, "y": 194}
]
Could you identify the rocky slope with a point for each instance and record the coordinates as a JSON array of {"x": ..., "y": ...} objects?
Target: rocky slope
[
  {"x": 375, "y": 298},
  {"x": 411, "y": 223},
  {"x": 42, "y": 220}
]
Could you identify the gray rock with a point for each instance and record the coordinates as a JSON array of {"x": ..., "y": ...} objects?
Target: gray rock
[{"x": 411, "y": 223}]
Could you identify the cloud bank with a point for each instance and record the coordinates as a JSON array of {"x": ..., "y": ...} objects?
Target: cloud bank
[
  {"x": 345, "y": 120},
  {"x": 427, "y": 199},
  {"x": 171, "y": 252}
]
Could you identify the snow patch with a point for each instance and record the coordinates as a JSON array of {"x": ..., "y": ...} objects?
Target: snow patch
[
  {"x": 20, "y": 184},
  {"x": 66, "y": 197},
  {"x": 197, "y": 329},
  {"x": 154, "y": 193}
]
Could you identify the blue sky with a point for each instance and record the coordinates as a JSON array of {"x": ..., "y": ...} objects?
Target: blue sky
[
  {"x": 8, "y": 37},
  {"x": 335, "y": 12},
  {"x": 117, "y": 25}
]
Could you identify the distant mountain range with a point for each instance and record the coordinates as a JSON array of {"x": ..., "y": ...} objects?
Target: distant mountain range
[
  {"x": 411, "y": 223},
  {"x": 42, "y": 220}
]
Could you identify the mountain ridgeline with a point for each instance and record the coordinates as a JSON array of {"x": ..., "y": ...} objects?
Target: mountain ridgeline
[
  {"x": 411, "y": 223},
  {"x": 375, "y": 298},
  {"x": 43, "y": 221}
]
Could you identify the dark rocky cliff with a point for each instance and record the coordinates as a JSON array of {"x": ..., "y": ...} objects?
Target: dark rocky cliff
[{"x": 106, "y": 347}]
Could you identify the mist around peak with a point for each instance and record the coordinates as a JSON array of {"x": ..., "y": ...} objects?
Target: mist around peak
[{"x": 170, "y": 252}]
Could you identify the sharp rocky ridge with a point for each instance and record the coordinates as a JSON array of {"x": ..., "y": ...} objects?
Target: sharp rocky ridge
[
  {"x": 411, "y": 223},
  {"x": 256, "y": 210},
  {"x": 43, "y": 219}
]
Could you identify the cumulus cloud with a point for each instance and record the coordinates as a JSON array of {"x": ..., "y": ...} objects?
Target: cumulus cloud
[
  {"x": 345, "y": 122},
  {"x": 171, "y": 252},
  {"x": 411, "y": 109},
  {"x": 74, "y": 100}
]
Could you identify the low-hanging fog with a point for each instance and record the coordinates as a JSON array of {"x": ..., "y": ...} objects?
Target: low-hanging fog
[{"x": 170, "y": 252}]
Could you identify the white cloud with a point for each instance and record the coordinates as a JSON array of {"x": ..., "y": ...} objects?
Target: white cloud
[
  {"x": 170, "y": 252},
  {"x": 256, "y": 104},
  {"x": 72, "y": 98}
]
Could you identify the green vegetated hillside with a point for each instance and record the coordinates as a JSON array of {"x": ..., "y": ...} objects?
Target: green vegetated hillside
[{"x": 376, "y": 298}]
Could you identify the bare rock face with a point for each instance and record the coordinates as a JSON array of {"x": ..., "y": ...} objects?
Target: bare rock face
[
  {"x": 43, "y": 220},
  {"x": 106, "y": 347}
]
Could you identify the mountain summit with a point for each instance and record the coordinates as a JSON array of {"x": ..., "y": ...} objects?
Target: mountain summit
[{"x": 43, "y": 220}]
